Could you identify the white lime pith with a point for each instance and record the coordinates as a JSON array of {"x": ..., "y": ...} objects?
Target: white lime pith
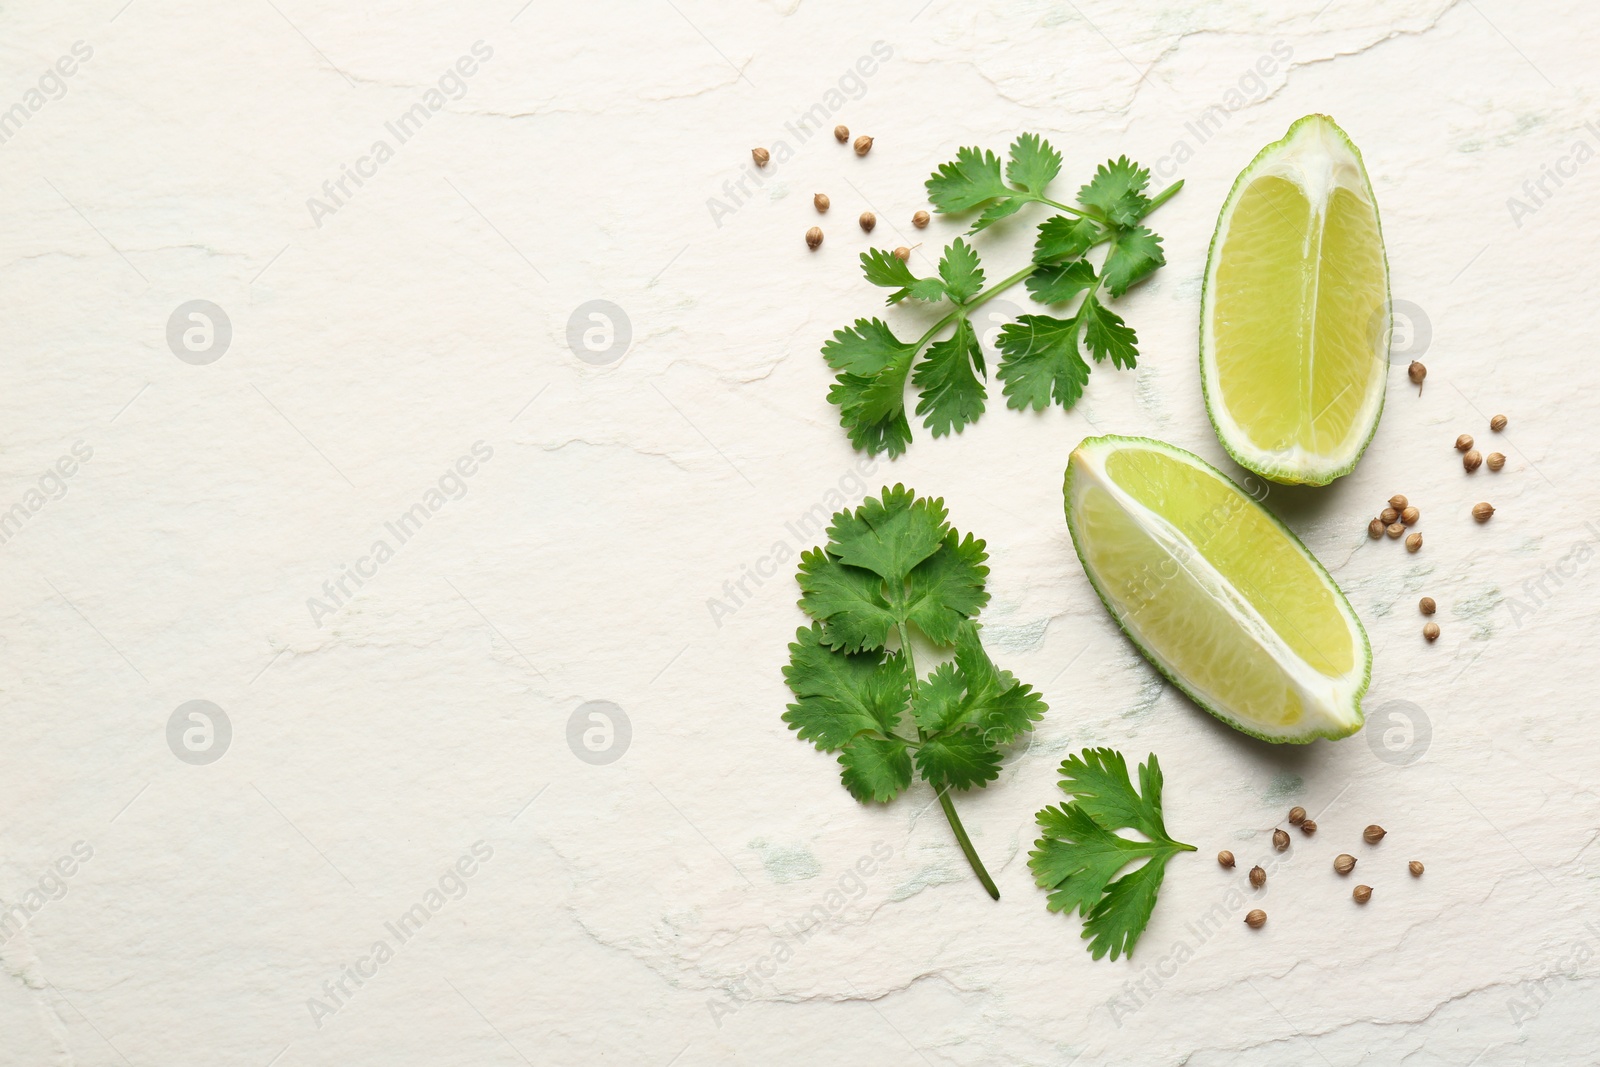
[
  {"x": 1216, "y": 592},
  {"x": 1294, "y": 314}
]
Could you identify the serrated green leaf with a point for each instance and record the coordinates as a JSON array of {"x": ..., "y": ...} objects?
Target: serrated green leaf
[
  {"x": 1105, "y": 334},
  {"x": 996, "y": 211},
  {"x": 872, "y": 410},
  {"x": 1117, "y": 922},
  {"x": 866, "y": 348},
  {"x": 957, "y": 760},
  {"x": 1001, "y": 707},
  {"x": 889, "y": 534},
  {"x": 842, "y": 694},
  {"x": 1099, "y": 783},
  {"x": 947, "y": 588},
  {"x": 1135, "y": 253},
  {"x": 972, "y": 180},
  {"x": 875, "y": 768},
  {"x": 1060, "y": 283},
  {"x": 883, "y": 267},
  {"x": 938, "y": 699},
  {"x": 1077, "y": 858},
  {"x": 961, "y": 271},
  {"x": 1033, "y": 163},
  {"x": 952, "y": 395},
  {"x": 1117, "y": 192},
  {"x": 1062, "y": 237},
  {"x": 1040, "y": 362},
  {"x": 847, "y": 601}
]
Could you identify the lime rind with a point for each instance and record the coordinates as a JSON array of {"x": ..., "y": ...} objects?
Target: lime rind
[
  {"x": 1233, "y": 440},
  {"x": 1341, "y": 715}
]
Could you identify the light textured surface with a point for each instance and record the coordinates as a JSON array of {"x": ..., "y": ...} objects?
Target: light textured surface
[{"x": 625, "y": 905}]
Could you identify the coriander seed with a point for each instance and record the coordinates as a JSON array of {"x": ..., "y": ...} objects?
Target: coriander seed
[
  {"x": 1280, "y": 840},
  {"x": 1482, "y": 510},
  {"x": 1430, "y": 631},
  {"x": 1225, "y": 858},
  {"x": 920, "y": 220},
  {"x": 1413, "y": 542},
  {"x": 841, "y": 134},
  {"x": 1416, "y": 372},
  {"x": 760, "y": 155},
  {"x": 1472, "y": 460},
  {"x": 1497, "y": 423},
  {"x": 902, "y": 253},
  {"x": 1398, "y": 501},
  {"x": 821, "y": 202},
  {"x": 1427, "y": 606},
  {"x": 1464, "y": 442},
  {"x": 1415, "y": 866},
  {"x": 1256, "y": 919},
  {"x": 1362, "y": 894},
  {"x": 868, "y": 220},
  {"x": 1308, "y": 827},
  {"x": 1258, "y": 877},
  {"x": 1373, "y": 834},
  {"x": 1375, "y": 529},
  {"x": 1409, "y": 516},
  {"x": 863, "y": 145},
  {"x": 1297, "y": 815},
  {"x": 1496, "y": 460},
  {"x": 813, "y": 237},
  {"x": 1389, "y": 515},
  {"x": 1394, "y": 529},
  {"x": 1344, "y": 863}
]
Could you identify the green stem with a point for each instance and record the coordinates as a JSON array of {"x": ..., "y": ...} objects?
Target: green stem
[{"x": 944, "y": 797}]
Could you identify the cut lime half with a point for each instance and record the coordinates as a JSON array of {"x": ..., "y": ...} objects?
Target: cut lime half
[
  {"x": 1215, "y": 591},
  {"x": 1294, "y": 316}
]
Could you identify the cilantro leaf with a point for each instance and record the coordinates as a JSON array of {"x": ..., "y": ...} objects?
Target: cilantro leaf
[
  {"x": 1062, "y": 237},
  {"x": 1041, "y": 361},
  {"x": 1060, "y": 283},
  {"x": 1106, "y": 334},
  {"x": 1080, "y": 852},
  {"x": 1033, "y": 163},
  {"x": 971, "y": 181},
  {"x": 962, "y": 274},
  {"x": 1117, "y": 192},
  {"x": 883, "y": 267},
  {"x": 866, "y": 348},
  {"x": 996, "y": 211},
  {"x": 873, "y": 411},
  {"x": 1135, "y": 253},
  {"x": 891, "y": 564},
  {"x": 952, "y": 396}
]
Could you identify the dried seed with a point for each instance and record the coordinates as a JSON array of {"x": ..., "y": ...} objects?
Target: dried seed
[
  {"x": 813, "y": 237},
  {"x": 1362, "y": 894},
  {"x": 1280, "y": 840},
  {"x": 1416, "y": 372},
  {"x": 760, "y": 155},
  {"x": 1497, "y": 423},
  {"x": 902, "y": 253},
  {"x": 1373, "y": 834},
  {"x": 1398, "y": 501},
  {"x": 1258, "y": 877},
  {"x": 1416, "y": 868},
  {"x": 1464, "y": 442},
  {"x": 1394, "y": 529},
  {"x": 1472, "y": 460},
  {"x": 863, "y": 145},
  {"x": 1430, "y": 630},
  {"x": 1375, "y": 529},
  {"x": 1308, "y": 827},
  {"x": 1297, "y": 815},
  {"x": 1427, "y": 606},
  {"x": 920, "y": 220},
  {"x": 821, "y": 202},
  {"x": 868, "y": 221},
  {"x": 1389, "y": 515},
  {"x": 1413, "y": 542},
  {"x": 1344, "y": 863},
  {"x": 1482, "y": 510},
  {"x": 841, "y": 134},
  {"x": 1496, "y": 461},
  {"x": 1225, "y": 858},
  {"x": 1409, "y": 516},
  {"x": 1256, "y": 919}
]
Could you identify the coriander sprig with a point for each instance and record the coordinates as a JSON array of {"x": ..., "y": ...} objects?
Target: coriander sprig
[
  {"x": 1041, "y": 355},
  {"x": 892, "y": 566}
]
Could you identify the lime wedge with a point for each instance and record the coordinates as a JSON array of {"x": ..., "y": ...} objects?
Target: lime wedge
[
  {"x": 1215, "y": 591},
  {"x": 1294, "y": 317}
]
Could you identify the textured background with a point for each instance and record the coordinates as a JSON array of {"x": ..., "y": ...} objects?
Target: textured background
[{"x": 596, "y": 155}]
